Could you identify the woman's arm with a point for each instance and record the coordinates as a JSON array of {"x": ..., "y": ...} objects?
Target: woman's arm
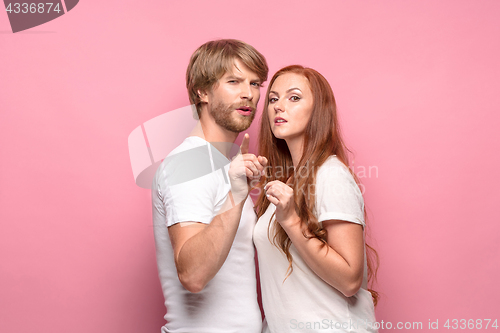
[{"x": 340, "y": 262}]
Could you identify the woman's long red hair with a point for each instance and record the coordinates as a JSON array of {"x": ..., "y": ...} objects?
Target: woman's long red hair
[{"x": 322, "y": 139}]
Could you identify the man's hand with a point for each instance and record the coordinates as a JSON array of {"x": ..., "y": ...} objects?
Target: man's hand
[{"x": 244, "y": 168}]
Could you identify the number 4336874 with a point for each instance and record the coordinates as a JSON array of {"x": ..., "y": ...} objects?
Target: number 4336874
[
  {"x": 471, "y": 324},
  {"x": 32, "y": 8}
]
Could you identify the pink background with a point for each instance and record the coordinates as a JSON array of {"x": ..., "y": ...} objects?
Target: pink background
[{"x": 417, "y": 85}]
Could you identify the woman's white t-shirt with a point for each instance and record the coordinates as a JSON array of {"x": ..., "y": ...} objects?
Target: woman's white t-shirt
[{"x": 304, "y": 302}]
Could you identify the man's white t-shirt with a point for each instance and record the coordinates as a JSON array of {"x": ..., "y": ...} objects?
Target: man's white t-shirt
[
  {"x": 191, "y": 184},
  {"x": 304, "y": 302}
]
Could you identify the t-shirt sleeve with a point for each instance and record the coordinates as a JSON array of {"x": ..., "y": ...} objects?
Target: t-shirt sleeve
[
  {"x": 191, "y": 197},
  {"x": 338, "y": 197}
]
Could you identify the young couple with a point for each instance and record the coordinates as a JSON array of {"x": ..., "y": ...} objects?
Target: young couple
[{"x": 308, "y": 223}]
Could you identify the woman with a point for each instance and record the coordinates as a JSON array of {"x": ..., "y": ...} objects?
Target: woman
[{"x": 310, "y": 232}]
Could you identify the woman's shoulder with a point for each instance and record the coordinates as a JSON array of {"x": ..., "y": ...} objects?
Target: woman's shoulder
[
  {"x": 338, "y": 196},
  {"x": 334, "y": 172},
  {"x": 333, "y": 164}
]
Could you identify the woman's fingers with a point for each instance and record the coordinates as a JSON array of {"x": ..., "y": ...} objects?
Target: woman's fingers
[
  {"x": 275, "y": 192},
  {"x": 272, "y": 199},
  {"x": 278, "y": 190}
]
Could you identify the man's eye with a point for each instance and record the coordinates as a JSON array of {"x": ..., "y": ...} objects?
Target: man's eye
[{"x": 256, "y": 84}]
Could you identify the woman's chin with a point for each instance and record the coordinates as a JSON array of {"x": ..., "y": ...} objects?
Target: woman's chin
[{"x": 279, "y": 134}]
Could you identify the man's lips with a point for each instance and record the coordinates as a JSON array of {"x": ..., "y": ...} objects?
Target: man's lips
[{"x": 245, "y": 110}]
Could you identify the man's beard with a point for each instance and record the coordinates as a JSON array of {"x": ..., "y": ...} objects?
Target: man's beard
[{"x": 223, "y": 116}]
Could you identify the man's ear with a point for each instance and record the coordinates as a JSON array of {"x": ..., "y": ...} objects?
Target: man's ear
[{"x": 202, "y": 94}]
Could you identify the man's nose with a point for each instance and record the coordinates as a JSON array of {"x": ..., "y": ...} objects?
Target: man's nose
[{"x": 247, "y": 92}]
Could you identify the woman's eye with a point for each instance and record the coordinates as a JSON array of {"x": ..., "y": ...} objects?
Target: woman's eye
[
  {"x": 272, "y": 99},
  {"x": 295, "y": 98}
]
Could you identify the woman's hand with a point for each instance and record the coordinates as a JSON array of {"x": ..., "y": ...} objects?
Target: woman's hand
[{"x": 281, "y": 195}]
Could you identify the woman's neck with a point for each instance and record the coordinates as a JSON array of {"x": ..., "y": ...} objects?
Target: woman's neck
[{"x": 296, "y": 146}]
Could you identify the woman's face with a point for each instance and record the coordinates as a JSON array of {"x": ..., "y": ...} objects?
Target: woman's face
[{"x": 290, "y": 107}]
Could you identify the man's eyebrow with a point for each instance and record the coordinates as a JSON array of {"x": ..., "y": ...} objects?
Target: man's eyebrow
[{"x": 232, "y": 76}]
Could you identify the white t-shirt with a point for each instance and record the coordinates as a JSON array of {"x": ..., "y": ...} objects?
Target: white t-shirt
[
  {"x": 191, "y": 184},
  {"x": 304, "y": 302}
]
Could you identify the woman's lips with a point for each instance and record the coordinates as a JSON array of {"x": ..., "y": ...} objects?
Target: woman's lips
[{"x": 279, "y": 121}]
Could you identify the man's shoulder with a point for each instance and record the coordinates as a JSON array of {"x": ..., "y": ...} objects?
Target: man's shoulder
[
  {"x": 191, "y": 142},
  {"x": 190, "y": 160}
]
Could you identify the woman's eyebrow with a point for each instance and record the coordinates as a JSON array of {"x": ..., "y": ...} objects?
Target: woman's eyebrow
[{"x": 274, "y": 92}]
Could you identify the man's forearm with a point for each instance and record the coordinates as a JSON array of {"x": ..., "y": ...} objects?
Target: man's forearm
[{"x": 202, "y": 255}]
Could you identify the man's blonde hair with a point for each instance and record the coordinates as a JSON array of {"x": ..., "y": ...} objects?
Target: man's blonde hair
[{"x": 215, "y": 58}]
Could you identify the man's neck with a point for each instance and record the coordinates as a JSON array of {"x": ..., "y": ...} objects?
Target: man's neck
[{"x": 219, "y": 137}]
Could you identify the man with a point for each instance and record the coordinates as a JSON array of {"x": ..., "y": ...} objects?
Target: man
[{"x": 203, "y": 218}]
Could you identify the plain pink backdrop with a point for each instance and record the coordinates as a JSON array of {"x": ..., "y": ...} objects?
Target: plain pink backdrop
[{"x": 417, "y": 88}]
